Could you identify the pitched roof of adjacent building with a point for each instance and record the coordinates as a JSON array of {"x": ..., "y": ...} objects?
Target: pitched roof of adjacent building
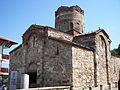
[{"x": 6, "y": 42}]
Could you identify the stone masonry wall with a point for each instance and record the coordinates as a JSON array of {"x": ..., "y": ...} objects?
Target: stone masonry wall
[
  {"x": 86, "y": 40},
  {"x": 28, "y": 57},
  {"x": 83, "y": 67},
  {"x": 68, "y": 18},
  {"x": 57, "y": 63},
  {"x": 16, "y": 59},
  {"x": 114, "y": 66},
  {"x": 59, "y": 35},
  {"x": 34, "y": 41},
  {"x": 102, "y": 58}
]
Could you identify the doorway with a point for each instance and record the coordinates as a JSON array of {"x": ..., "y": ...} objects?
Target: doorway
[{"x": 32, "y": 79}]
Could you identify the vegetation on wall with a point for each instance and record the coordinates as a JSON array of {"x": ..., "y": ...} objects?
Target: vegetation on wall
[
  {"x": 116, "y": 52},
  {"x": 61, "y": 37}
]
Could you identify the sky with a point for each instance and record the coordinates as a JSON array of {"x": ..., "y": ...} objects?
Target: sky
[{"x": 16, "y": 16}]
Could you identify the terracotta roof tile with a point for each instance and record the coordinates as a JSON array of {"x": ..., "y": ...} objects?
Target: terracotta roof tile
[{"x": 2, "y": 38}]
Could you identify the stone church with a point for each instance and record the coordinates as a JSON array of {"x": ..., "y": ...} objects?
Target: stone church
[{"x": 65, "y": 55}]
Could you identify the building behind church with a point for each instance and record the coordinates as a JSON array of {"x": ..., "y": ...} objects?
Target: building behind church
[{"x": 65, "y": 55}]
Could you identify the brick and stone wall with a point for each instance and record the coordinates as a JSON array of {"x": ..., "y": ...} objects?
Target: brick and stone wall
[
  {"x": 16, "y": 58},
  {"x": 28, "y": 56},
  {"x": 83, "y": 67},
  {"x": 60, "y": 59},
  {"x": 114, "y": 69},
  {"x": 102, "y": 58},
  {"x": 34, "y": 52},
  {"x": 50, "y": 59},
  {"x": 101, "y": 43},
  {"x": 53, "y": 59},
  {"x": 86, "y": 40},
  {"x": 57, "y": 63},
  {"x": 60, "y": 35},
  {"x": 17, "y": 62},
  {"x": 68, "y": 18}
]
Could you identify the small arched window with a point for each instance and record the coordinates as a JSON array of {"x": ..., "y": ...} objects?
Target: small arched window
[
  {"x": 33, "y": 41},
  {"x": 71, "y": 25},
  {"x": 102, "y": 42},
  {"x": 57, "y": 53}
]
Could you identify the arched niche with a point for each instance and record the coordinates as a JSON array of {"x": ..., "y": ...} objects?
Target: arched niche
[{"x": 32, "y": 67}]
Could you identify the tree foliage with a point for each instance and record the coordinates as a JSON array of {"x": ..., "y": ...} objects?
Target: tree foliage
[
  {"x": 116, "y": 52},
  {"x": 119, "y": 50}
]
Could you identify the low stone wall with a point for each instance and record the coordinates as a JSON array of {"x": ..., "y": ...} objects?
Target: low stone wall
[
  {"x": 111, "y": 86},
  {"x": 49, "y": 88}
]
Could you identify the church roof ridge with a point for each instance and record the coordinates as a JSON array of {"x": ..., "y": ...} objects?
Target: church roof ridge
[
  {"x": 48, "y": 27},
  {"x": 20, "y": 45},
  {"x": 72, "y": 43},
  {"x": 71, "y": 8},
  {"x": 95, "y": 32}
]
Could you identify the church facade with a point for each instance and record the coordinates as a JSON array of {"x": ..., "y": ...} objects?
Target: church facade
[{"x": 65, "y": 55}]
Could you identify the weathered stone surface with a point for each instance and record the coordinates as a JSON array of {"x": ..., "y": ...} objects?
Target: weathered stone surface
[
  {"x": 57, "y": 63},
  {"x": 59, "y": 35},
  {"x": 100, "y": 43},
  {"x": 86, "y": 40},
  {"x": 68, "y": 18},
  {"x": 114, "y": 69},
  {"x": 103, "y": 56},
  {"x": 83, "y": 67},
  {"x": 17, "y": 59}
]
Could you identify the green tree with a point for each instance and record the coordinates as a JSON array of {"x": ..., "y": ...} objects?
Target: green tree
[
  {"x": 119, "y": 50},
  {"x": 116, "y": 52}
]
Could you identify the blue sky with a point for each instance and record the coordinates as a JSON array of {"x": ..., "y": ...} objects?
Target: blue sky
[{"x": 17, "y": 15}]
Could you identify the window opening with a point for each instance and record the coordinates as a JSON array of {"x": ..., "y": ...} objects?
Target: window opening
[
  {"x": 71, "y": 25},
  {"x": 34, "y": 41},
  {"x": 57, "y": 51},
  {"x": 32, "y": 79}
]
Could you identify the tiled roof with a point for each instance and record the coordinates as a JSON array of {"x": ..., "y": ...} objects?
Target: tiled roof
[
  {"x": 6, "y": 43},
  {"x": 2, "y": 38}
]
